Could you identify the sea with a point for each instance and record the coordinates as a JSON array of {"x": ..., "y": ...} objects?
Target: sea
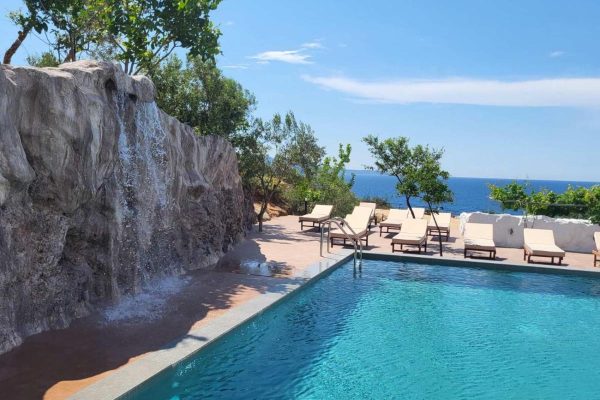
[{"x": 470, "y": 194}]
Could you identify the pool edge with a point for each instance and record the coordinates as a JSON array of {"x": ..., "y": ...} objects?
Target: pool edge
[
  {"x": 485, "y": 263},
  {"x": 128, "y": 377}
]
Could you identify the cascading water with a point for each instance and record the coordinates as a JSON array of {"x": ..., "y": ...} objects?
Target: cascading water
[{"x": 141, "y": 192}]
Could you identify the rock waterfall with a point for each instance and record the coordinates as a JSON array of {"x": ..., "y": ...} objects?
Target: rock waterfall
[{"x": 100, "y": 191}]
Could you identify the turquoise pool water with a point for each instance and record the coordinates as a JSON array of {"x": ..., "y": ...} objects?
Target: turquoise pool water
[{"x": 411, "y": 331}]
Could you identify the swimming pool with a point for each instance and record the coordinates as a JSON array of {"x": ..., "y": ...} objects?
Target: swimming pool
[{"x": 406, "y": 330}]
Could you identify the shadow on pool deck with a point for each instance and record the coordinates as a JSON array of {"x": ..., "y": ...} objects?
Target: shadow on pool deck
[{"x": 90, "y": 347}]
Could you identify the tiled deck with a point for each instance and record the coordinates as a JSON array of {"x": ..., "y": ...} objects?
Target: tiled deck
[{"x": 56, "y": 364}]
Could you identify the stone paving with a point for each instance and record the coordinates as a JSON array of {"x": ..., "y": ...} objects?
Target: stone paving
[{"x": 56, "y": 364}]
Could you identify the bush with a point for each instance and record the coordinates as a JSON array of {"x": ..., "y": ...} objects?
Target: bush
[
  {"x": 381, "y": 202},
  {"x": 575, "y": 202},
  {"x": 327, "y": 186}
]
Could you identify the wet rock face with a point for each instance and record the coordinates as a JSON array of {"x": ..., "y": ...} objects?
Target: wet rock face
[{"x": 100, "y": 191}]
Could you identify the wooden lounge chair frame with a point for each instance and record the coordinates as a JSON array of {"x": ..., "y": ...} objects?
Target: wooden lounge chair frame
[
  {"x": 419, "y": 212},
  {"x": 362, "y": 235},
  {"x": 439, "y": 230},
  {"x": 422, "y": 243},
  {"x": 491, "y": 251},
  {"x": 403, "y": 217},
  {"x": 527, "y": 256},
  {"x": 315, "y": 222}
]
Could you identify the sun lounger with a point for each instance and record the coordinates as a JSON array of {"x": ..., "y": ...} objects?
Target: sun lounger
[
  {"x": 443, "y": 225},
  {"x": 358, "y": 221},
  {"x": 319, "y": 214},
  {"x": 597, "y": 251},
  {"x": 412, "y": 233},
  {"x": 373, "y": 207},
  {"x": 419, "y": 212},
  {"x": 479, "y": 237},
  {"x": 540, "y": 243},
  {"x": 397, "y": 216},
  {"x": 394, "y": 220}
]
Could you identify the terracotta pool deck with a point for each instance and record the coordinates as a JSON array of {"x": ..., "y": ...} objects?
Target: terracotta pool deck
[{"x": 57, "y": 364}]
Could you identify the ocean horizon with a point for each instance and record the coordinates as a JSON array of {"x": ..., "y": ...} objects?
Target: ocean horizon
[{"x": 470, "y": 193}]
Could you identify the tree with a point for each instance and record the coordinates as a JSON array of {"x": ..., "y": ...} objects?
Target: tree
[
  {"x": 330, "y": 185},
  {"x": 280, "y": 152},
  {"x": 431, "y": 180},
  {"x": 418, "y": 170},
  {"x": 46, "y": 59},
  {"x": 139, "y": 33},
  {"x": 394, "y": 157},
  {"x": 199, "y": 95},
  {"x": 146, "y": 32},
  {"x": 34, "y": 18},
  {"x": 265, "y": 161},
  {"x": 304, "y": 150}
]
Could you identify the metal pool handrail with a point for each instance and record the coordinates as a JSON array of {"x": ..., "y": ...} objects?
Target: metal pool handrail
[{"x": 341, "y": 224}]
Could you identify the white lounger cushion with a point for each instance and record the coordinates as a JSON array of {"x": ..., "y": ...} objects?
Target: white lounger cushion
[
  {"x": 358, "y": 221},
  {"x": 479, "y": 237},
  {"x": 419, "y": 212},
  {"x": 319, "y": 213},
  {"x": 395, "y": 218},
  {"x": 540, "y": 242},
  {"x": 597, "y": 240},
  {"x": 371, "y": 206},
  {"x": 413, "y": 231},
  {"x": 442, "y": 219}
]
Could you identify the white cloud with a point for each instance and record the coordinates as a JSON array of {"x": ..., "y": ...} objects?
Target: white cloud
[
  {"x": 313, "y": 45},
  {"x": 556, "y": 54},
  {"x": 554, "y": 92},
  {"x": 286, "y": 56}
]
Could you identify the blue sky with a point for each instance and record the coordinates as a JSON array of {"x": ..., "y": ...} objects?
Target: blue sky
[{"x": 508, "y": 89}]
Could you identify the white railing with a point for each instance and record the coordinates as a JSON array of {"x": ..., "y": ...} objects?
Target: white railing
[{"x": 349, "y": 234}]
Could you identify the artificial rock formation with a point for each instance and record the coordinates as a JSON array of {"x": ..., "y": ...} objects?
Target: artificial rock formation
[{"x": 100, "y": 191}]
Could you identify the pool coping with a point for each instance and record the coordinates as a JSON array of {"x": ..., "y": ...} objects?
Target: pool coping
[
  {"x": 486, "y": 263},
  {"x": 128, "y": 377}
]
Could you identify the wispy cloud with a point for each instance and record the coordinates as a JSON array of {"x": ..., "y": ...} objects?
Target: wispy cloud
[
  {"x": 313, "y": 45},
  {"x": 286, "y": 56},
  {"x": 235, "y": 66},
  {"x": 554, "y": 92},
  {"x": 556, "y": 54}
]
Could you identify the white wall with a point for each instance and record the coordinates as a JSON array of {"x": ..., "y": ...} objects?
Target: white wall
[{"x": 570, "y": 234}]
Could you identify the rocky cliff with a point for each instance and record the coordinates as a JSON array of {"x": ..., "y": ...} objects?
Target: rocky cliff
[{"x": 101, "y": 191}]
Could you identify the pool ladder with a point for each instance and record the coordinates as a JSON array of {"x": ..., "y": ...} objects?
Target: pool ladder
[{"x": 349, "y": 234}]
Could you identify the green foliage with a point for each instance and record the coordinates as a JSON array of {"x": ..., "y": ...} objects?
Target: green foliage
[
  {"x": 575, "y": 202},
  {"x": 45, "y": 59},
  {"x": 146, "y": 32},
  {"x": 430, "y": 177},
  {"x": 329, "y": 185},
  {"x": 269, "y": 157},
  {"x": 394, "y": 157},
  {"x": 381, "y": 202},
  {"x": 417, "y": 170},
  {"x": 511, "y": 197},
  {"x": 139, "y": 33},
  {"x": 199, "y": 95}
]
